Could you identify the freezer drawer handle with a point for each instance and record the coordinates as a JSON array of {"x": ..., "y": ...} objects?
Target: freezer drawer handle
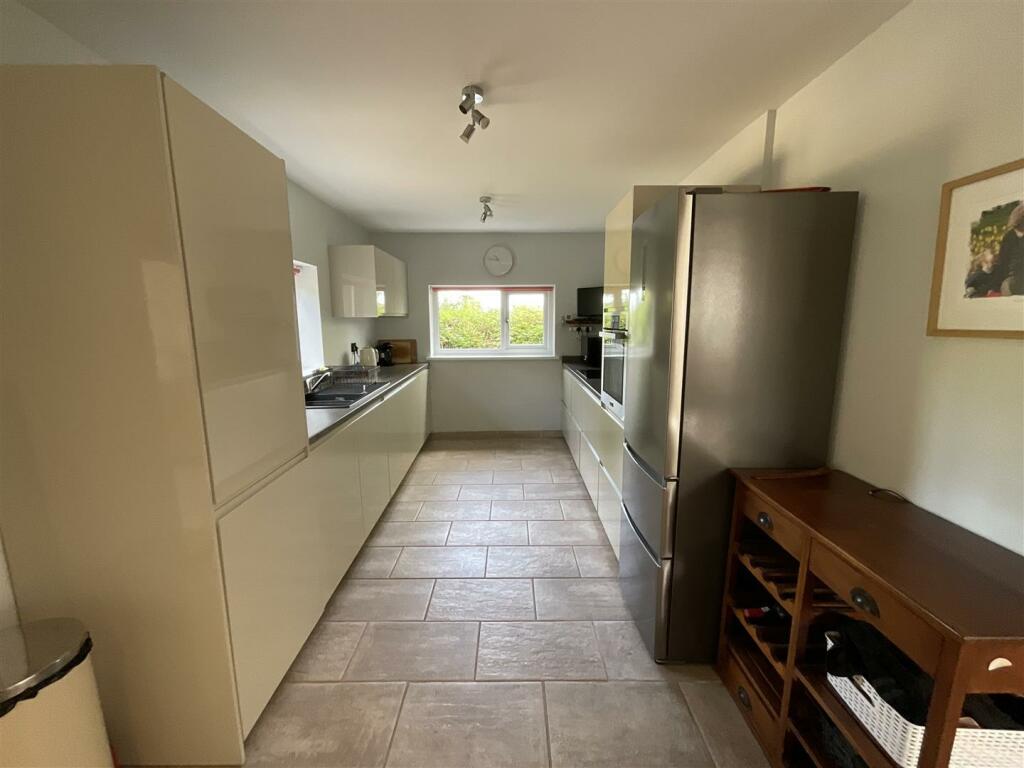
[
  {"x": 743, "y": 696},
  {"x": 765, "y": 521},
  {"x": 863, "y": 600}
]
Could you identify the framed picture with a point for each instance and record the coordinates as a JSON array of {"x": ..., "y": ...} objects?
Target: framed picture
[{"x": 978, "y": 280}]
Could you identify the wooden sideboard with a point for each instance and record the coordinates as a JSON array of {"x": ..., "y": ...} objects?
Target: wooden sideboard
[{"x": 820, "y": 544}]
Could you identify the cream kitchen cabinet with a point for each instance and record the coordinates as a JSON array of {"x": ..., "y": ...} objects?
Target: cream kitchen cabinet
[
  {"x": 358, "y": 274},
  {"x": 174, "y": 481},
  {"x": 233, "y": 213},
  {"x": 407, "y": 422},
  {"x": 569, "y": 383},
  {"x": 284, "y": 550},
  {"x": 618, "y": 235},
  {"x": 392, "y": 288},
  {"x": 371, "y": 431},
  {"x": 595, "y": 442},
  {"x": 609, "y": 507},
  {"x": 166, "y": 281}
]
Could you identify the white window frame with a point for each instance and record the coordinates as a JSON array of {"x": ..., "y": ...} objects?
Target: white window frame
[
  {"x": 309, "y": 326},
  {"x": 506, "y": 351}
]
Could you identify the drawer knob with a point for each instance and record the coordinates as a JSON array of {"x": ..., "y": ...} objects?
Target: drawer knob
[
  {"x": 863, "y": 600},
  {"x": 743, "y": 696},
  {"x": 765, "y": 521}
]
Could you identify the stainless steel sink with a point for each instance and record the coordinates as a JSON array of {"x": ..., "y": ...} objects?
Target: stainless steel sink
[{"x": 343, "y": 395}]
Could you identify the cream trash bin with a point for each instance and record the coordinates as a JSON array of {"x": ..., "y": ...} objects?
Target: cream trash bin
[{"x": 49, "y": 707}]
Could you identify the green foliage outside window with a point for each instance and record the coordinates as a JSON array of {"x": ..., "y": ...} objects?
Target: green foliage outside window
[
  {"x": 526, "y": 325},
  {"x": 465, "y": 324}
]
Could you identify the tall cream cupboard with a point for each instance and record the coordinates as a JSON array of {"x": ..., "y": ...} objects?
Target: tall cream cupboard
[{"x": 150, "y": 382}]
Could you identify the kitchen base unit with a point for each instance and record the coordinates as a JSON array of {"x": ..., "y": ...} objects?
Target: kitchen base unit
[
  {"x": 285, "y": 549},
  {"x": 594, "y": 437}
]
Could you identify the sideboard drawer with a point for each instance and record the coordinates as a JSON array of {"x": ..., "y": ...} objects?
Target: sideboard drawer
[
  {"x": 783, "y": 530},
  {"x": 747, "y": 697},
  {"x": 877, "y": 605}
]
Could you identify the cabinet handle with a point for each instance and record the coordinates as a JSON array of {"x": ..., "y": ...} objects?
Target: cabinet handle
[
  {"x": 743, "y": 696},
  {"x": 765, "y": 521},
  {"x": 863, "y": 600}
]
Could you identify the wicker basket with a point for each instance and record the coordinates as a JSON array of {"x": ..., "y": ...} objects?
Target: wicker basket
[{"x": 901, "y": 739}]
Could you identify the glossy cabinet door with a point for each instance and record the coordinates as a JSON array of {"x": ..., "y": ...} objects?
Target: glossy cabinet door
[
  {"x": 406, "y": 421},
  {"x": 353, "y": 277},
  {"x": 284, "y": 550},
  {"x": 589, "y": 467},
  {"x": 572, "y": 437},
  {"x": 400, "y": 290},
  {"x": 392, "y": 283},
  {"x": 568, "y": 384},
  {"x": 233, "y": 213},
  {"x": 369, "y": 431},
  {"x": 609, "y": 506},
  {"x": 607, "y": 438},
  {"x": 618, "y": 234}
]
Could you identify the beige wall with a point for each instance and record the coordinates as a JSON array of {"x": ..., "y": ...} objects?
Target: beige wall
[
  {"x": 490, "y": 395},
  {"x": 934, "y": 94},
  {"x": 315, "y": 225}
]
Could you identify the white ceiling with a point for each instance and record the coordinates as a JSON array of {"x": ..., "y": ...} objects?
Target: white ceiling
[{"x": 586, "y": 98}]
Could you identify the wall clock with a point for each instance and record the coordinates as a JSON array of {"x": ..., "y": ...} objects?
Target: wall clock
[{"x": 499, "y": 260}]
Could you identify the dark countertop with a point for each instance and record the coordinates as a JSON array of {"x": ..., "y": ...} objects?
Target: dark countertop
[
  {"x": 580, "y": 370},
  {"x": 320, "y": 421}
]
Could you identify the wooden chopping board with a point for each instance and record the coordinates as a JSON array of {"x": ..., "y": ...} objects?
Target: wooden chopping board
[{"x": 402, "y": 350}]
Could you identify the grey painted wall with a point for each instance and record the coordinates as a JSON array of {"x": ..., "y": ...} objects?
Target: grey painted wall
[{"x": 493, "y": 395}]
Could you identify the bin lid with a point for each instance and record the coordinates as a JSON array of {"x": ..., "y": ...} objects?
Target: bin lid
[{"x": 33, "y": 653}]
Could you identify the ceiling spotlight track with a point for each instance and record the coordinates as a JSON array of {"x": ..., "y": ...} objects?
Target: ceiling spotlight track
[
  {"x": 487, "y": 213},
  {"x": 472, "y": 96}
]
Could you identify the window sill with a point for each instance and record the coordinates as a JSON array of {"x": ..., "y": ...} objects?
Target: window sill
[{"x": 510, "y": 358}]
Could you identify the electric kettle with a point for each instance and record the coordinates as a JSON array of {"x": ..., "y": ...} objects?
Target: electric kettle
[{"x": 368, "y": 357}]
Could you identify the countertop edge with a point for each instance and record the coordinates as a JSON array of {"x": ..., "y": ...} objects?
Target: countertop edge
[{"x": 338, "y": 416}]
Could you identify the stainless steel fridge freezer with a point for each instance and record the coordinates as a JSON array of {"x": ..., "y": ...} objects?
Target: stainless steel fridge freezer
[{"x": 736, "y": 312}]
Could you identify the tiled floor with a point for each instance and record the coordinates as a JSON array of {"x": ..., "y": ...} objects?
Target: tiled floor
[{"x": 482, "y": 626}]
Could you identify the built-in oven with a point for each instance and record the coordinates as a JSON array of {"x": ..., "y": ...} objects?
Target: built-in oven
[{"x": 613, "y": 370}]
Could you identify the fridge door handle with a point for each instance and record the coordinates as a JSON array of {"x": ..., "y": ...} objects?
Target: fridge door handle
[
  {"x": 612, "y": 334},
  {"x": 643, "y": 542},
  {"x": 642, "y": 466}
]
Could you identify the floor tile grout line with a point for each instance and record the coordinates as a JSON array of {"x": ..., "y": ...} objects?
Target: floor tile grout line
[
  {"x": 426, "y": 611},
  {"x": 476, "y": 661},
  {"x": 348, "y": 662},
  {"x": 600, "y": 653},
  {"x": 547, "y": 724},
  {"x": 394, "y": 728}
]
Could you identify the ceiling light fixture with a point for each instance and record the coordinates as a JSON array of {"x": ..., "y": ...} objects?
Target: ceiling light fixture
[
  {"x": 471, "y": 97},
  {"x": 479, "y": 118},
  {"x": 488, "y": 213}
]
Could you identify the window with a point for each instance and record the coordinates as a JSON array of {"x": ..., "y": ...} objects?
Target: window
[
  {"x": 307, "y": 312},
  {"x": 482, "y": 321}
]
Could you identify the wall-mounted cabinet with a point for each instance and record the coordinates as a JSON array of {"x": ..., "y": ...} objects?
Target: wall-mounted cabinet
[
  {"x": 392, "y": 285},
  {"x": 367, "y": 282}
]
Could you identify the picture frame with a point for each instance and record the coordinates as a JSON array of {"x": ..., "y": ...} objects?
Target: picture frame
[{"x": 978, "y": 274}]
